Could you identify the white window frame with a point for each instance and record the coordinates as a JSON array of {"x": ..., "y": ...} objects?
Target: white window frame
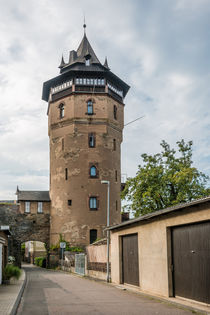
[
  {"x": 40, "y": 207},
  {"x": 27, "y": 207}
]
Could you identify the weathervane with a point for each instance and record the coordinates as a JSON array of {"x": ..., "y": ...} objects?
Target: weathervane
[{"x": 84, "y": 25}]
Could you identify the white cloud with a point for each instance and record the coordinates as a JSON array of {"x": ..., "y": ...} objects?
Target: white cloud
[{"x": 162, "y": 51}]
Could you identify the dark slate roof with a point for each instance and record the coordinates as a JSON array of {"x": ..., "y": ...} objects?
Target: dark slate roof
[
  {"x": 33, "y": 195},
  {"x": 83, "y": 52},
  {"x": 160, "y": 212},
  {"x": 76, "y": 67}
]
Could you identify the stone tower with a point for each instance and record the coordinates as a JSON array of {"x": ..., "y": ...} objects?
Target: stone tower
[{"x": 85, "y": 119}]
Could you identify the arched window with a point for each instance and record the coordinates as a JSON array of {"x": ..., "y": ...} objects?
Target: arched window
[
  {"x": 61, "y": 109},
  {"x": 115, "y": 111},
  {"x": 93, "y": 236},
  {"x": 93, "y": 171},
  {"x": 90, "y": 107}
]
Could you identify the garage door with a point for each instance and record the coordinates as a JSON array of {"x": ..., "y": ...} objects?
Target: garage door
[
  {"x": 130, "y": 261},
  {"x": 191, "y": 260}
]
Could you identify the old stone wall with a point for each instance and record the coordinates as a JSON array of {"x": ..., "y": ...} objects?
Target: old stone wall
[{"x": 24, "y": 227}]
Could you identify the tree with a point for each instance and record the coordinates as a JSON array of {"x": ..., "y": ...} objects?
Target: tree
[{"x": 165, "y": 180}]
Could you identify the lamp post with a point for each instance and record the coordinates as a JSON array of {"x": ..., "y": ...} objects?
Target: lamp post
[{"x": 107, "y": 182}]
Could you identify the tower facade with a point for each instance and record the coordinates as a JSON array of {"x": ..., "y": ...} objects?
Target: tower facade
[{"x": 85, "y": 123}]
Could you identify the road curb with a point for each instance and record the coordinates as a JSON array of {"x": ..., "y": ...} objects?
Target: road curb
[
  {"x": 19, "y": 296},
  {"x": 177, "y": 303}
]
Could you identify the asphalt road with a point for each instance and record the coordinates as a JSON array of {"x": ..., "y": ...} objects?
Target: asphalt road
[{"x": 51, "y": 292}]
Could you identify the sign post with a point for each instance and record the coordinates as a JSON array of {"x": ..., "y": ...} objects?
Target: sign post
[{"x": 62, "y": 246}]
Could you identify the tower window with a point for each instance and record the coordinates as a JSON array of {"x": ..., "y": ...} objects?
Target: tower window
[
  {"x": 69, "y": 202},
  {"x": 91, "y": 140},
  {"x": 62, "y": 144},
  {"x": 93, "y": 236},
  {"x": 115, "y": 112},
  {"x": 90, "y": 107},
  {"x": 93, "y": 203},
  {"x": 61, "y": 109},
  {"x": 115, "y": 176},
  {"x": 66, "y": 173},
  {"x": 93, "y": 171},
  {"x": 114, "y": 144},
  {"x": 116, "y": 206}
]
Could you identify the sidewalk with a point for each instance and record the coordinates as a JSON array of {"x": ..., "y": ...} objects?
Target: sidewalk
[{"x": 10, "y": 295}]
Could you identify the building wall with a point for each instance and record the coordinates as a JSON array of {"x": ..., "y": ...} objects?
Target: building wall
[
  {"x": 34, "y": 207},
  {"x": 69, "y": 149},
  {"x": 4, "y": 242},
  {"x": 154, "y": 247}
]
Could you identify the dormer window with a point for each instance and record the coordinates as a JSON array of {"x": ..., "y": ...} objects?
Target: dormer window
[
  {"x": 61, "y": 109},
  {"x": 87, "y": 60}
]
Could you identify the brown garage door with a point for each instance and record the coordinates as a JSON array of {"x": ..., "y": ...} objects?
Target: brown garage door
[
  {"x": 191, "y": 259},
  {"x": 130, "y": 261}
]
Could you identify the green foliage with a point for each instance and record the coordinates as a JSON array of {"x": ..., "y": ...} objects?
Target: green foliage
[
  {"x": 11, "y": 271},
  {"x": 68, "y": 247},
  {"x": 23, "y": 246},
  {"x": 165, "y": 180},
  {"x": 40, "y": 262},
  {"x": 76, "y": 249},
  {"x": 55, "y": 247}
]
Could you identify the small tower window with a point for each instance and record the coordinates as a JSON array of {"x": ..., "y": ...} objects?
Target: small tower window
[
  {"x": 114, "y": 144},
  {"x": 93, "y": 236},
  {"x": 69, "y": 202},
  {"x": 91, "y": 140},
  {"x": 90, "y": 107},
  {"x": 93, "y": 171},
  {"x": 66, "y": 173},
  {"x": 62, "y": 144},
  {"x": 115, "y": 112},
  {"x": 61, "y": 109},
  {"x": 115, "y": 176},
  {"x": 87, "y": 60},
  {"x": 93, "y": 203}
]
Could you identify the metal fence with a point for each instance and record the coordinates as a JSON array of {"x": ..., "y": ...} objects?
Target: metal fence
[{"x": 80, "y": 264}]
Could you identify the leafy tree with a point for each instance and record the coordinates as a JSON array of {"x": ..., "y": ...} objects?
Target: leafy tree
[{"x": 165, "y": 180}]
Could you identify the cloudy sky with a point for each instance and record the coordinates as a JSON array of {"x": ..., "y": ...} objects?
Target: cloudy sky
[{"x": 161, "y": 48}]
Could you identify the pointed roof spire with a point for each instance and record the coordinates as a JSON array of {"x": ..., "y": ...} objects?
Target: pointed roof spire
[
  {"x": 106, "y": 63},
  {"x": 85, "y": 49},
  {"x": 17, "y": 190},
  {"x": 62, "y": 64}
]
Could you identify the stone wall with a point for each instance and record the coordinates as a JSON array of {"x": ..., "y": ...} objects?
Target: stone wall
[{"x": 24, "y": 227}]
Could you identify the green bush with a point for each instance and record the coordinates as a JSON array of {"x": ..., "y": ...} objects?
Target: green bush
[
  {"x": 11, "y": 271},
  {"x": 40, "y": 262},
  {"x": 76, "y": 249}
]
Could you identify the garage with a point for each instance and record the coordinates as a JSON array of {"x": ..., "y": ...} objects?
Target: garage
[
  {"x": 191, "y": 261},
  {"x": 130, "y": 261}
]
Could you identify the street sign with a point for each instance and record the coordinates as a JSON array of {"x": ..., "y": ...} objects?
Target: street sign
[{"x": 62, "y": 244}]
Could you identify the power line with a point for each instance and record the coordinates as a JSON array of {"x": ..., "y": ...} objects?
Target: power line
[{"x": 130, "y": 122}]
